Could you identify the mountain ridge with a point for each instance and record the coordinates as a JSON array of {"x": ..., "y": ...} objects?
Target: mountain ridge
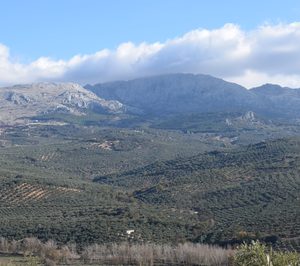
[
  {"x": 189, "y": 93},
  {"x": 176, "y": 93},
  {"x": 156, "y": 96}
]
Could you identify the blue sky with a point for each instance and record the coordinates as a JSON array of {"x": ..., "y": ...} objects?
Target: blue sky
[
  {"x": 64, "y": 38},
  {"x": 63, "y": 28}
]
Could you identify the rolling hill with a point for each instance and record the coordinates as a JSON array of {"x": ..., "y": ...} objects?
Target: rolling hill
[
  {"x": 254, "y": 189},
  {"x": 220, "y": 197}
]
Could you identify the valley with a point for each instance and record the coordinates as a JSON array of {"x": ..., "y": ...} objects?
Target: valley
[
  {"x": 87, "y": 175},
  {"x": 149, "y": 133}
]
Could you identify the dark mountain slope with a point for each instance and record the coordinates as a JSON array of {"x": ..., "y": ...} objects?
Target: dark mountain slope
[
  {"x": 286, "y": 101},
  {"x": 188, "y": 93}
]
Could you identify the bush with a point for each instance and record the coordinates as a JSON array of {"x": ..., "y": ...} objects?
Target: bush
[{"x": 257, "y": 254}]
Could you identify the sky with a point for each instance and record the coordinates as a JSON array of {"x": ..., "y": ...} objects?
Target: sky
[{"x": 92, "y": 41}]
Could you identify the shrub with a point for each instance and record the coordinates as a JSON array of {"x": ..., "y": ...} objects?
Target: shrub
[
  {"x": 257, "y": 254},
  {"x": 286, "y": 258},
  {"x": 252, "y": 255},
  {"x": 31, "y": 246}
]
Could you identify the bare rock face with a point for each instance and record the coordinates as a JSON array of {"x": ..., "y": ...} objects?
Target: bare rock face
[
  {"x": 76, "y": 99},
  {"x": 248, "y": 116},
  {"x": 24, "y": 101},
  {"x": 18, "y": 98}
]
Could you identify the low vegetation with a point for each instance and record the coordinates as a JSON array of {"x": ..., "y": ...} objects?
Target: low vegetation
[
  {"x": 49, "y": 253},
  {"x": 258, "y": 254}
]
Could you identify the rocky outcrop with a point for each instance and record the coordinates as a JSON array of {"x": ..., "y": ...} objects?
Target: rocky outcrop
[
  {"x": 17, "y": 98},
  {"x": 23, "y": 101},
  {"x": 248, "y": 116}
]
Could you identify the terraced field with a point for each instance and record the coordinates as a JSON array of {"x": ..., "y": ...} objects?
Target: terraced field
[{"x": 27, "y": 193}]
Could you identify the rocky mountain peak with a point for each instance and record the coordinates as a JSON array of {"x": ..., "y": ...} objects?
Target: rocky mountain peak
[{"x": 40, "y": 98}]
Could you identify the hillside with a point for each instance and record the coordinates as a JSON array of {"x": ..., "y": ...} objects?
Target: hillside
[
  {"x": 253, "y": 189},
  {"x": 47, "y": 190},
  {"x": 187, "y": 186}
]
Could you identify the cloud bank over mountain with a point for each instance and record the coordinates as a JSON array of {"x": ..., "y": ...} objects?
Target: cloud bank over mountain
[{"x": 270, "y": 53}]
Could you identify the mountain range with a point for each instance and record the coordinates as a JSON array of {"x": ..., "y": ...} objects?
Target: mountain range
[
  {"x": 155, "y": 96},
  {"x": 188, "y": 93}
]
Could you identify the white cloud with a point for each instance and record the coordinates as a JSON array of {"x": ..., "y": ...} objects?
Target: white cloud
[
  {"x": 251, "y": 79},
  {"x": 270, "y": 53}
]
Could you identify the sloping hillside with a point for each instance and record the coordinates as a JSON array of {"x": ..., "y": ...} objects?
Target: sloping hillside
[{"x": 253, "y": 189}]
